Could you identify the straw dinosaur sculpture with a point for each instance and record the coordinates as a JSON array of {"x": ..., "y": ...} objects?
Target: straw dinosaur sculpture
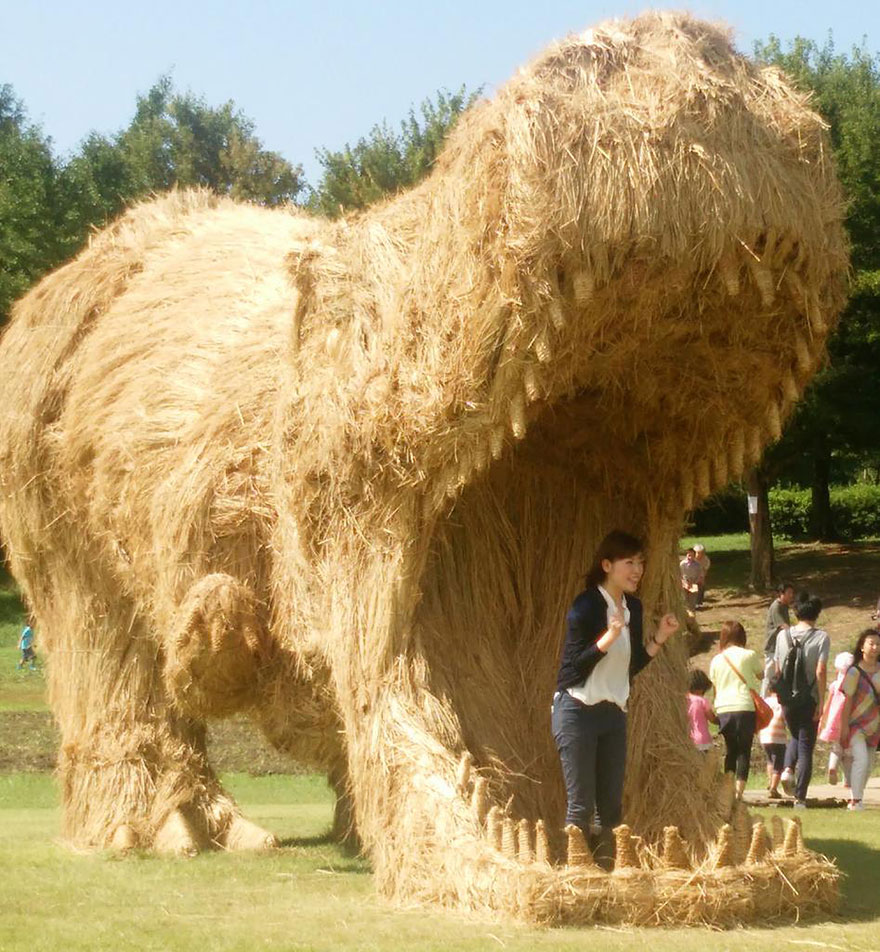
[{"x": 345, "y": 476}]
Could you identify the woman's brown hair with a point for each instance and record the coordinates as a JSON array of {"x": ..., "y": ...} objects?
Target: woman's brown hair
[
  {"x": 732, "y": 633},
  {"x": 616, "y": 545}
]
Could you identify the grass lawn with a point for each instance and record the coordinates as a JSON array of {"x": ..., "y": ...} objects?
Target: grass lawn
[{"x": 310, "y": 895}]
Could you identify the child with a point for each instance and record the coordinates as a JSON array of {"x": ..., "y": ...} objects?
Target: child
[
  {"x": 26, "y": 647},
  {"x": 829, "y": 725},
  {"x": 699, "y": 709},
  {"x": 773, "y": 739}
]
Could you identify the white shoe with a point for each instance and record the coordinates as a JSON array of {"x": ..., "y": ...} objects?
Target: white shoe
[
  {"x": 786, "y": 781},
  {"x": 800, "y": 805},
  {"x": 855, "y": 805}
]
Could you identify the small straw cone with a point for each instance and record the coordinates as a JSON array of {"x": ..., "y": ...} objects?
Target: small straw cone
[
  {"x": 758, "y": 846},
  {"x": 799, "y": 845},
  {"x": 480, "y": 800},
  {"x": 674, "y": 849},
  {"x": 724, "y": 847},
  {"x": 626, "y": 856},
  {"x": 777, "y": 832},
  {"x": 742, "y": 832},
  {"x": 542, "y": 849},
  {"x": 792, "y": 836},
  {"x": 494, "y": 827},
  {"x": 525, "y": 853},
  {"x": 509, "y": 837},
  {"x": 577, "y": 852},
  {"x": 726, "y": 795}
]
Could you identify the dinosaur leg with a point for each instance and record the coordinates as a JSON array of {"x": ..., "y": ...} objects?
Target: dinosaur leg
[{"x": 133, "y": 765}]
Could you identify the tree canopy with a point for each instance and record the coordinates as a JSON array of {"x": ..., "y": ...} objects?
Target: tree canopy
[
  {"x": 29, "y": 207},
  {"x": 837, "y": 421},
  {"x": 385, "y": 161}
]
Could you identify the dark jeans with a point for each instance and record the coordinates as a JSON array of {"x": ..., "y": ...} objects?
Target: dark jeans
[
  {"x": 592, "y": 747},
  {"x": 738, "y": 729},
  {"x": 800, "y": 748}
]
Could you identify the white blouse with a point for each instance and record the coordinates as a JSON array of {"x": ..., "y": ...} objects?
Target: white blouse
[{"x": 609, "y": 679}]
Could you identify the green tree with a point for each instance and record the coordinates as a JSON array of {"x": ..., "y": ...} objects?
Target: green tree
[
  {"x": 30, "y": 242},
  {"x": 386, "y": 161},
  {"x": 837, "y": 418},
  {"x": 176, "y": 139}
]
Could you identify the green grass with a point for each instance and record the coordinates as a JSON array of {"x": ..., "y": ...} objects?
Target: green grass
[{"x": 310, "y": 895}]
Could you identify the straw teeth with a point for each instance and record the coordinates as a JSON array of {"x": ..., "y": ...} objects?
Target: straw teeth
[
  {"x": 530, "y": 383},
  {"x": 584, "y": 287},
  {"x": 518, "y": 416},
  {"x": 542, "y": 346},
  {"x": 557, "y": 317},
  {"x": 729, "y": 274},
  {"x": 774, "y": 421},
  {"x": 802, "y": 353},
  {"x": 496, "y": 442}
]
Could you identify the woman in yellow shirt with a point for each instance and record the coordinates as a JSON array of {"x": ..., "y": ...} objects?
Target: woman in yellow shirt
[{"x": 733, "y": 672}]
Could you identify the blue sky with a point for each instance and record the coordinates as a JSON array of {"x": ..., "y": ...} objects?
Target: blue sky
[{"x": 313, "y": 75}]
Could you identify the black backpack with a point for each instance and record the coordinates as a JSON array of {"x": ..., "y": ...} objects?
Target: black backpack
[{"x": 792, "y": 685}]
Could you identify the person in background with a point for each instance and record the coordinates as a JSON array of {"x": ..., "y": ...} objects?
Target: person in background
[
  {"x": 860, "y": 718},
  {"x": 803, "y": 719},
  {"x": 705, "y": 563},
  {"x": 773, "y": 739},
  {"x": 829, "y": 725},
  {"x": 690, "y": 570},
  {"x": 26, "y": 647},
  {"x": 734, "y": 672},
  {"x": 700, "y": 712},
  {"x": 777, "y": 618}
]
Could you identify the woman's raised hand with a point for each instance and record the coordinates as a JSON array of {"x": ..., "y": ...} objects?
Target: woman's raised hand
[{"x": 667, "y": 627}]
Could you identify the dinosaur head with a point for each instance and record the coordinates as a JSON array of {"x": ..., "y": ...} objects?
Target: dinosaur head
[{"x": 626, "y": 263}]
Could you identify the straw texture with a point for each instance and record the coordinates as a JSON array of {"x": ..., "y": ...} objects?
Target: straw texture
[{"x": 345, "y": 476}]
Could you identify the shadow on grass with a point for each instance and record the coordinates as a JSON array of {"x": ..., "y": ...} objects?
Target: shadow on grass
[
  {"x": 321, "y": 839},
  {"x": 860, "y": 898}
]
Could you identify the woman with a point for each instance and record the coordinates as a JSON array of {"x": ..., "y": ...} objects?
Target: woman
[
  {"x": 733, "y": 672},
  {"x": 860, "y": 717},
  {"x": 604, "y": 649}
]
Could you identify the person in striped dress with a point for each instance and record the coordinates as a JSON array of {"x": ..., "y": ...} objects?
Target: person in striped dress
[
  {"x": 773, "y": 738},
  {"x": 860, "y": 718}
]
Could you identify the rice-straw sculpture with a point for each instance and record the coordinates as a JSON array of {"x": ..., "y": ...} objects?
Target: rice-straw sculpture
[{"x": 343, "y": 477}]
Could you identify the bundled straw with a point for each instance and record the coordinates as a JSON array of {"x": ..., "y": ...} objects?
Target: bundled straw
[{"x": 344, "y": 477}]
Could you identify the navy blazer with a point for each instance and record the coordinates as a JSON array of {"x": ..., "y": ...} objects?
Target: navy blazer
[{"x": 586, "y": 621}]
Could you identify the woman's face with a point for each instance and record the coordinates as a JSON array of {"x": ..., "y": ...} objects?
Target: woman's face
[
  {"x": 871, "y": 649},
  {"x": 625, "y": 573}
]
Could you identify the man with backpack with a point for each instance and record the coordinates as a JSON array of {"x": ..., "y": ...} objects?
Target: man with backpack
[{"x": 801, "y": 661}]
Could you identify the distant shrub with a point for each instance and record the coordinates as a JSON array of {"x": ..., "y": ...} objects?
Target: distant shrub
[
  {"x": 790, "y": 512},
  {"x": 855, "y": 511}
]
